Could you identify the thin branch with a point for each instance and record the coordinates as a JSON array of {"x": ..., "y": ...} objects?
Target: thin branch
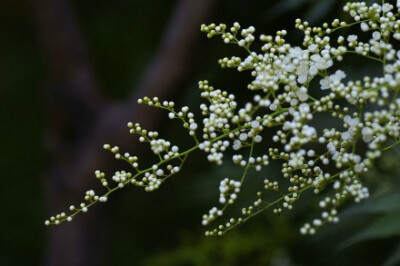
[{"x": 75, "y": 105}]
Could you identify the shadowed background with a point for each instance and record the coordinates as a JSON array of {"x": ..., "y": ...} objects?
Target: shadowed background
[{"x": 70, "y": 74}]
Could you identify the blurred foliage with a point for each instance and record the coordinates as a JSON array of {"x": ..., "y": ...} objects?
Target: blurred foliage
[
  {"x": 239, "y": 248},
  {"x": 164, "y": 228}
]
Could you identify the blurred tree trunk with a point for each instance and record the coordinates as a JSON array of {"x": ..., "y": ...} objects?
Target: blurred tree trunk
[{"x": 79, "y": 120}]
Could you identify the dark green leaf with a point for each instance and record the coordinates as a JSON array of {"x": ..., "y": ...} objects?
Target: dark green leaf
[
  {"x": 389, "y": 203},
  {"x": 386, "y": 226}
]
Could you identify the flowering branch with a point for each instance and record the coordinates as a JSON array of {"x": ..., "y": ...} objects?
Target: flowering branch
[{"x": 285, "y": 102}]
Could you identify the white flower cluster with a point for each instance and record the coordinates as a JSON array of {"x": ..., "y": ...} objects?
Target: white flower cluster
[
  {"x": 285, "y": 74},
  {"x": 257, "y": 162},
  {"x": 294, "y": 86},
  {"x": 229, "y": 188},
  {"x": 218, "y": 115},
  {"x": 150, "y": 179},
  {"x": 219, "y": 112},
  {"x": 120, "y": 177}
]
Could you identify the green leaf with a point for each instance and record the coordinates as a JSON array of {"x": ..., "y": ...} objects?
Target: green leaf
[
  {"x": 385, "y": 227},
  {"x": 389, "y": 203}
]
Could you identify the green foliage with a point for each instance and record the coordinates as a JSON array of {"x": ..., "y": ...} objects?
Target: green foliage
[{"x": 385, "y": 226}]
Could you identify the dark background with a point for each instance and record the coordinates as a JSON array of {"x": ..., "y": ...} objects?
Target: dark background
[{"x": 70, "y": 74}]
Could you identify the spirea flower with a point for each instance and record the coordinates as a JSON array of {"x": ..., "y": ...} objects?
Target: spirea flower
[{"x": 291, "y": 85}]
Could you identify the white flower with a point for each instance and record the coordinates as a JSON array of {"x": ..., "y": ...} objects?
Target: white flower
[
  {"x": 302, "y": 94},
  {"x": 364, "y": 26},
  {"x": 376, "y": 35},
  {"x": 352, "y": 38},
  {"x": 304, "y": 108},
  {"x": 334, "y": 79},
  {"x": 325, "y": 82}
]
